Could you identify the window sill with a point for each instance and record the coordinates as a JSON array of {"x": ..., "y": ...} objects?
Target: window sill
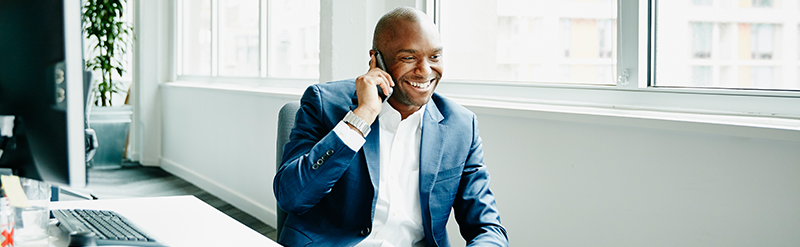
[
  {"x": 293, "y": 91},
  {"x": 774, "y": 128},
  {"x": 742, "y": 125}
]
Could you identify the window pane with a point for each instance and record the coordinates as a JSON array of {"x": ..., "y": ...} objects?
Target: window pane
[
  {"x": 238, "y": 38},
  {"x": 727, "y": 44},
  {"x": 294, "y": 38},
  {"x": 561, "y": 41},
  {"x": 702, "y": 2},
  {"x": 196, "y": 37}
]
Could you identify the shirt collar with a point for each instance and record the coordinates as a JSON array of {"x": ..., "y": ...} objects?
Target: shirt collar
[{"x": 387, "y": 110}]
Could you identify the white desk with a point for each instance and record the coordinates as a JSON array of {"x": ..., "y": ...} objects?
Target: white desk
[{"x": 177, "y": 221}]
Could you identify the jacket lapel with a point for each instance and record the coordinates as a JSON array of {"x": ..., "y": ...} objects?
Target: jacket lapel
[
  {"x": 371, "y": 150},
  {"x": 434, "y": 134}
]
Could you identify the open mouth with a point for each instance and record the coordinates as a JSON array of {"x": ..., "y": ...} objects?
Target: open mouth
[{"x": 421, "y": 85}]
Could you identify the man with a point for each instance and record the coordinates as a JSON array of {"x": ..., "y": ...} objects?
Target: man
[{"x": 359, "y": 171}]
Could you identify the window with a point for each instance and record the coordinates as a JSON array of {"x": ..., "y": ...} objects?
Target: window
[
  {"x": 677, "y": 56},
  {"x": 689, "y": 56},
  {"x": 702, "y": 2},
  {"x": 238, "y": 38},
  {"x": 195, "y": 37},
  {"x": 568, "y": 41},
  {"x": 730, "y": 44},
  {"x": 733, "y": 44},
  {"x": 701, "y": 39},
  {"x": 248, "y": 38},
  {"x": 294, "y": 39}
]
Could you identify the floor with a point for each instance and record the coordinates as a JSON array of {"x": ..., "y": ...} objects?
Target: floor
[{"x": 133, "y": 180}]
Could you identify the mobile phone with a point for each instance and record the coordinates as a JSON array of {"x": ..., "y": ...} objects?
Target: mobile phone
[{"x": 382, "y": 65}]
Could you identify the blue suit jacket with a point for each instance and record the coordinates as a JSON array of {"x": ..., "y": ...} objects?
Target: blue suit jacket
[{"x": 330, "y": 191}]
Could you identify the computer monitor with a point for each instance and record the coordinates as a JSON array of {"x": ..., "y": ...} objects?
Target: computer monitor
[{"x": 41, "y": 84}]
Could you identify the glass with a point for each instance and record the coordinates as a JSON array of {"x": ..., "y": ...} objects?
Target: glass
[
  {"x": 701, "y": 39},
  {"x": 293, "y": 39},
  {"x": 564, "y": 41},
  {"x": 238, "y": 38},
  {"x": 702, "y": 2},
  {"x": 701, "y": 75},
  {"x": 195, "y": 37},
  {"x": 31, "y": 224},
  {"x": 728, "y": 44}
]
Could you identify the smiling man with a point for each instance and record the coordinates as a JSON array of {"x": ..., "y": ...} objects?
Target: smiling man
[{"x": 362, "y": 171}]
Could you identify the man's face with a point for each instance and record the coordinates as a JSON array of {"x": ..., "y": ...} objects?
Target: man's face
[{"x": 413, "y": 56}]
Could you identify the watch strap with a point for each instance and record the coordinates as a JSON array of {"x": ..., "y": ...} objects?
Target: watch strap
[{"x": 357, "y": 122}]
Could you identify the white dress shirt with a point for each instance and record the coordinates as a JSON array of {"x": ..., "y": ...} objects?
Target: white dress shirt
[{"x": 398, "y": 216}]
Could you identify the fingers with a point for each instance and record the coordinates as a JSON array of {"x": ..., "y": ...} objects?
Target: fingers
[
  {"x": 372, "y": 62},
  {"x": 387, "y": 83},
  {"x": 377, "y": 77}
]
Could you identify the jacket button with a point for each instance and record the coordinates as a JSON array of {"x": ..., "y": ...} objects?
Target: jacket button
[
  {"x": 329, "y": 152},
  {"x": 320, "y": 161},
  {"x": 365, "y": 232},
  {"x": 315, "y": 166}
]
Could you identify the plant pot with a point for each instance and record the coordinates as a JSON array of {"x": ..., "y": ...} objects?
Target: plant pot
[{"x": 111, "y": 125}]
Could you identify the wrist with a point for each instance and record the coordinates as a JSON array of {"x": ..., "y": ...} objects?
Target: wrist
[
  {"x": 355, "y": 129},
  {"x": 357, "y": 123},
  {"x": 368, "y": 115}
]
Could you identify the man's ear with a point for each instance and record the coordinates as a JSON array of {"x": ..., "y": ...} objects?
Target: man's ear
[{"x": 371, "y": 52}]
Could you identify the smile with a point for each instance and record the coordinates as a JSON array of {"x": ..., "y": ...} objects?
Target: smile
[{"x": 421, "y": 85}]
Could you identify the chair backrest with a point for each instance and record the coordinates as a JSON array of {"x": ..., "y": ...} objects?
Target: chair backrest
[{"x": 285, "y": 124}]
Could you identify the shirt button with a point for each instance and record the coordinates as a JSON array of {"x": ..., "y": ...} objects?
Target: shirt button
[{"x": 366, "y": 231}]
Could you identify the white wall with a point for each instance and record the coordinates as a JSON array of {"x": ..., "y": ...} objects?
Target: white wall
[
  {"x": 153, "y": 65},
  {"x": 581, "y": 180},
  {"x": 224, "y": 142}
]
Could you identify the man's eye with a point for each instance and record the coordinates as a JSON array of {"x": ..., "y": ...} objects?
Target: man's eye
[{"x": 436, "y": 57}]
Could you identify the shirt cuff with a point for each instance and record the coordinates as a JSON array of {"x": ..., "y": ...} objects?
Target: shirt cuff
[{"x": 351, "y": 137}]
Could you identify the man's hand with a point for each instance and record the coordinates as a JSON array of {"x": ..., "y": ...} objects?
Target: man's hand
[{"x": 369, "y": 102}]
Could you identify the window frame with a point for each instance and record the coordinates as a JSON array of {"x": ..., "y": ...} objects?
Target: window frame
[
  {"x": 637, "y": 92},
  {"x": 263, "y": 43},
  {"x": 634, "y": 94}
]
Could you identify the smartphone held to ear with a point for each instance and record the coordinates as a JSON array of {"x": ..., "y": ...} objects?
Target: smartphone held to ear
[{"x": 382, "y": 65}]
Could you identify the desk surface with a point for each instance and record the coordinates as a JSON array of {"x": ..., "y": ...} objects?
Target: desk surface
[{"x": 178, "y": 221}]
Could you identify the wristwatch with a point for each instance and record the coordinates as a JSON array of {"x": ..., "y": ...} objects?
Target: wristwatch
[{"x": 357, "y": 122}]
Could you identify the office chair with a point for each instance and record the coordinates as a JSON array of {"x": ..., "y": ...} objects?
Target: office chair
[{"x": 286, "y": 118}]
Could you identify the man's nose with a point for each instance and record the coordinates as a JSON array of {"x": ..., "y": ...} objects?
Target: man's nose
[{"x": 423, "y": 68}]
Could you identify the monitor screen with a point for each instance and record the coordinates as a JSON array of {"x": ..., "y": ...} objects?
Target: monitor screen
[{"x": 41, "y": 85}]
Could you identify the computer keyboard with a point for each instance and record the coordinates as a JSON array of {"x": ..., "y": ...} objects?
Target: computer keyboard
[{"x": 109, "y": 227}]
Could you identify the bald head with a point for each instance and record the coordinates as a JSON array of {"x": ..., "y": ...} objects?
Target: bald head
[{"x": 389, "y": 22}]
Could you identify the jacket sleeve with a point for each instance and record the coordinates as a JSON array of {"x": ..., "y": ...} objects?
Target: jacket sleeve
[
  {"x": 314, "y": 158},
  {"x": 475, "y": 208}
]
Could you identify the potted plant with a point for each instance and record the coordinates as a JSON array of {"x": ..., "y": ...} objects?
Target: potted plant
[{"x": 108, "y": 36}]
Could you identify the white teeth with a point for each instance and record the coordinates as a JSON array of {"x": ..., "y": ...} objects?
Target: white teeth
[{"x": 420, "y": 85}]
